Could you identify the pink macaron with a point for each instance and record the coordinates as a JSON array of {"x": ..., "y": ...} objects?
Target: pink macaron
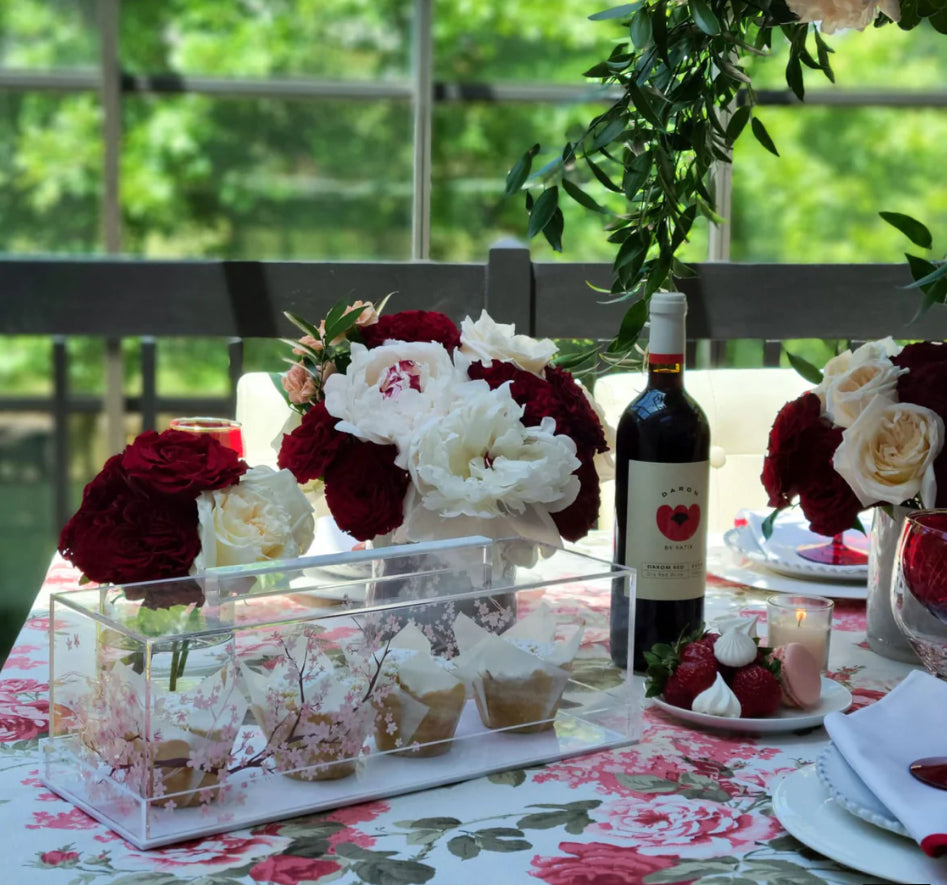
[{"x": 799, "y": 675}]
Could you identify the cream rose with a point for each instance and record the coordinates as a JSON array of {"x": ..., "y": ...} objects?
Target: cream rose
[
  {"x": 887, "y": 455},
  {"x": 836, "y": 15},
  {"x": 263, "y": 517},
  {"x": 852, "y": 380},
  {"x": 486, "y": 340}
]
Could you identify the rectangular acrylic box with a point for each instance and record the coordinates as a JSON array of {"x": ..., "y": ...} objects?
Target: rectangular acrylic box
[{"x": 243, "y": 695}]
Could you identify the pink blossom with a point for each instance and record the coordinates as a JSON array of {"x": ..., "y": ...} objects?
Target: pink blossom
[{"x": 288, "y": 869}]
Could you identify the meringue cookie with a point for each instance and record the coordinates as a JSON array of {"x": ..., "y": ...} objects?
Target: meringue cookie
[
  {"x": 735, "y": 648},
  {"x": 746, "y": 625},
  {"x": 718, "y": 700}
]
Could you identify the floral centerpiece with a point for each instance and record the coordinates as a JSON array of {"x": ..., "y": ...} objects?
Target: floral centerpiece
[
  {"x": 421, "y": 429},
  {"x": 870, "y": 433},
  {"x": 177, "y": 503}
]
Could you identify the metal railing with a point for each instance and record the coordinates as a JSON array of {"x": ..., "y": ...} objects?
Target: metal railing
[{"x": 232, "y": 300}]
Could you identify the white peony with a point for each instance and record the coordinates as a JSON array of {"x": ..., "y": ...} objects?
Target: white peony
[
  {"x": 888, "y": 454},
  {"x": 852, "y": 380},
  {"x": 486, "y": 340},
  {"x": 479, "y": 464},
  {"x": 389, "y": 391},
  {"x": 837, "y": 15},
  {"x": 264, "y": 517}
]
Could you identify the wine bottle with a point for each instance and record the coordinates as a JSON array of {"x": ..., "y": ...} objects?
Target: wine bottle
[{"x": 662, "y": 476}]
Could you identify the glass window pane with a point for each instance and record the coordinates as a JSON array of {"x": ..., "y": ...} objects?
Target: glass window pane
[
  {"x": 50, "y": 173},
  {"x": 333, "y": 39},
  {"x": 48, "y": 34},
  {"x": 267, "y": 179},
  {"x": 838, "y": 168}
]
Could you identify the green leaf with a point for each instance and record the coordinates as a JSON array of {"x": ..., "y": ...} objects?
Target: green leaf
[
  {"x": 640, "y": 29},
  {"x": 393, "y": 872},
  {"x": 491, "y": 843},
  {"x": 913, "y": 229},
  {"x": 520, "y": 171},
  {"x": 823, "y": 50},
  {"x": 762, "y": 136},
  {"x": 646, "y": 783},
  {"x": 553, "y": 230},
  {"x": 545, "y": 820},
  {"x": 622, "y": 11},
  {"x": 738, "y": 121},
  {"x": 431, "y": 823},
  {"x": 602, "y": 177},
  {"x": 704, "y": 17},
  {"x": 351, "y": 851},
  {"x": 808, "y": 371},
  {"x": 543, "y": 210},
  {"x": 644, "y": 106},
  {"x": 794, "y": 78},
  {"x": 767, "y": 525},
  {"x": 464, "y": 847},
  {"x": 511, "y": 778},
  {"x": 581, "y": 197}
]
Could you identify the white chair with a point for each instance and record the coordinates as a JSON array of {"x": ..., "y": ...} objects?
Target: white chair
[
  {"x": 740, "y": 405},
  {"x": 262, "y": 412}
]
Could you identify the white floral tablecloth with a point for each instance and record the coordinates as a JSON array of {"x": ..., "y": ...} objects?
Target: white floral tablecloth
[{"x": 681, "y": 806}]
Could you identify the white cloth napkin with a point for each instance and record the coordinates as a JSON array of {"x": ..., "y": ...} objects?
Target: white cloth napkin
[{"x": 880, "y": 742}]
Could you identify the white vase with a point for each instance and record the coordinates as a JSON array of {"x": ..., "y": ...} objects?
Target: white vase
[{"x": 884, "y": 635}]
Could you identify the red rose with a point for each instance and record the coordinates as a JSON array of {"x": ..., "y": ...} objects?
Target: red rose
[
  {"x": 413, "y": 325},
  {"x": 556, "y": 396},
  {"x": 179, "y": 463},
  {"x": 121, "y": 535},
  {"x": 599, "y": 863},
  {"x": 925, "y": 382},
  {"x": 289, "y": 869},
  {"x": 799, "y": 464},
  {"x": 580, "y": 516},
  {"x": 60, "y": 858},
  {"x": 924, "y": 561},
  {"x": 307, "y": 451},
  {"x": 23, "y": 721},
  {"x": 365, "y": 490}
]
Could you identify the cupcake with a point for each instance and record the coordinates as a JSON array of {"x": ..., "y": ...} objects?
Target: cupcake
[
  {"x": 420, "y": 699},
  {"x": 314, "y": 717},
  {"x": 517, "y": 678}
]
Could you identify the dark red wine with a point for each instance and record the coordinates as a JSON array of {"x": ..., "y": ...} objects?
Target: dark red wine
[{"x": 662, "y": 475}]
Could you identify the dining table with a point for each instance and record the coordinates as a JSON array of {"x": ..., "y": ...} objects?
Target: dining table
[{"x": 687, "y": 803}]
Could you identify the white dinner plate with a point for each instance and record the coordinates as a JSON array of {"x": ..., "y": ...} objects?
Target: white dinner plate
[
  {"x": 806, "y": 810},
  {"x": 847, "y": 789},
  {"x": 751, "y": 574},
  {"x": 835, "y": 697},
  {"x": 779, "y": 553}
]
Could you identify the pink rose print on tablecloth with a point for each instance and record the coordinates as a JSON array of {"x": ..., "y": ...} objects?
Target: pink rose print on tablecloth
[
  {"x": 598, "y": 863},
  {"x": 209, "y": 855},
  {"x": 59, "y": 858},
  {"x": 288, "y": 869},
  {"x": 686, "y": 827},
  {"x": 22, "y": 721}
]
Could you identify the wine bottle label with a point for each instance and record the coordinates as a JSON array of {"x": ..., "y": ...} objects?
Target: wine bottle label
[{"x": 666, "y": 528}]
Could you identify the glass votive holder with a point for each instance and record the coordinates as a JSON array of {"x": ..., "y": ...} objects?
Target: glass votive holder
[
  {"x": 803, "y": 619},
  {"x": 226, "y": 431}
]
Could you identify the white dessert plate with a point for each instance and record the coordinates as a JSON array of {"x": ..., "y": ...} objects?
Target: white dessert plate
[
  {"x": 806, "y": 810},
  {"x": 848, "y": 790},
  {"x": 835, "y": 697},
  {"x": 750, "y": 574},
  {"x": 779, "y": 553}
]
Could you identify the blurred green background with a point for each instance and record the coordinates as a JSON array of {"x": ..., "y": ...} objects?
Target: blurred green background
[{"x": 326, "y": 178}]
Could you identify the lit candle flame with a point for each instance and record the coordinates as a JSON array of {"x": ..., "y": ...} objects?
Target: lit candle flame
[{"x": 800, "y": 616}]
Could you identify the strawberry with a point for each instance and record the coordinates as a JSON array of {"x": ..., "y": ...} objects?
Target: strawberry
[
  {"x": 757, "y": 690},
  {"x": 700, "y": 649},
  {"x": 689, "y": 680}
]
